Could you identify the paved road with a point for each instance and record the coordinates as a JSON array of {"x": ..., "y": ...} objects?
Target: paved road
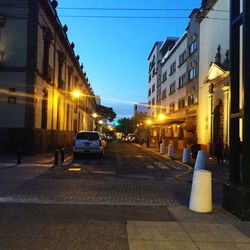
[
  {"x": 92, "y": 208},
  {"x": 126, "y": 175}
]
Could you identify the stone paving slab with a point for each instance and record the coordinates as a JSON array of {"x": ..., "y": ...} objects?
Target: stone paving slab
[
  {"x": 178, "y": 235},
  {"x": 100, "y": 191}
]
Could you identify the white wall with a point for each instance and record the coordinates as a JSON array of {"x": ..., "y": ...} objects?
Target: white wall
[
  {"x": 213, "y": 32},
  {"x": 179, "y": 93}
]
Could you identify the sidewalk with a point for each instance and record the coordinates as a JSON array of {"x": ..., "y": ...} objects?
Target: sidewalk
[
  {"x": 216, "y": 230},
  {"x": 42, "y": 159},
  {"x": 220, "y": 173}
]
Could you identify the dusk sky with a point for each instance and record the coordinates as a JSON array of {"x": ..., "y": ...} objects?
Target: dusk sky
[{"x": 114, "y": 51}]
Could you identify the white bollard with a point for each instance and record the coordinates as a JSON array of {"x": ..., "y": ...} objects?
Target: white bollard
[
  {"x": 200, "y": 160},
  {"x": 162, "y": 149},
  {"x": 201, "y": 192},
  {"x": 186, "y": 155},
  {"x": 170, "y": 150}
]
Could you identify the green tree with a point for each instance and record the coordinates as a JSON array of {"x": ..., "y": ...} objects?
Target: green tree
[
  {"x": 124, "y": 125},
  {"x": 106, "y": 112}
]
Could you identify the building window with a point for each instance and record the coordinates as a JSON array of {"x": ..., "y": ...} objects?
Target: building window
[
  {"x": 182, "y": 80},
  {"x": 149, "y": 92},
  {"x": 164, "y": 93},
  {"x": 47, "y": 70},
  {"x": 172, "y": 68},
  {"x": 191, "y": 74},
  {"x": 153, "y": 88},
  {"x": 61, "y": 59},
  {"x": 149, "y": 103},
  {"x": 44, "y": 109},
  {"x": 181, "y": 104},
  {"x": 182, "y": 58},
  {"x": 70, "y": 73},
  {"x": 149, "y": 77},
  {"x": 193, "y": 47},
  {"x": 172, "y": 88},
  {"x": 164, "y": 76},
  {"x": 191, "y": 100},
  {"x": 153, "y": 101},
  {"x": 172, "y": 107}
]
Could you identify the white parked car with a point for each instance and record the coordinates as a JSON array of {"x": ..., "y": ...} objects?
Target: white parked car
[{"x": 88, "y": 142}]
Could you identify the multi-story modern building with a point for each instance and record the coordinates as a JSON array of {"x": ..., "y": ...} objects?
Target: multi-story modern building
[
  {"x": 158, "y": 52},
  {"x": 38, "y": 73},
  {"x": 153, "y": 77},
  {"x": 179, "y": 86},
  {"x": 173, "y": 97},
  {"x": 192, "y": 73},
  {"x": 213, "y": 108}
]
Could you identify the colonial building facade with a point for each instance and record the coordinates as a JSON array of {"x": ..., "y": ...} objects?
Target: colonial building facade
[
  {"x": 195, "y": 81},
  {"x": 38, "y": 73},
  {"x": 213, "y": 108}
]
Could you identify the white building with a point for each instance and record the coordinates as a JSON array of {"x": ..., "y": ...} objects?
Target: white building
[
  {"x": 158, "y": 51},
  {"x": 213, "y": 108}
]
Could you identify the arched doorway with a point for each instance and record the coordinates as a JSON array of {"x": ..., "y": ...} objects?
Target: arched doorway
[{"x": 218, "y": 123}]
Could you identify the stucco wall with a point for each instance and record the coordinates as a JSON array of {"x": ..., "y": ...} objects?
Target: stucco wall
[{"x": 213, "y": 32}]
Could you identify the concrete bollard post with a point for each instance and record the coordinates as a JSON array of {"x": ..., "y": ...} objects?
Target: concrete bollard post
[
  {"x": 170, "y": 151},
  {"x": 186, "y": 155},
  {"x": 200, "y": 161},
  {"x": 56, "y": 157},
  {"x": 162, "y": 149},
  {"x": 201, "y": 192}
]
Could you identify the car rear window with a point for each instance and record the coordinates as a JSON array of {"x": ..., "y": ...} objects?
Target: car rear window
[{"x": 87, "y": 136}]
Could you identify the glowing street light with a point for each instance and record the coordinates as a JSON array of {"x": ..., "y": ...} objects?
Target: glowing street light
[
  {"x": 76, "y": 93},
  {"x": 149, "y": 122},
  {"x": 100, "y": 122},
  {"x": 94, "y": 115},
  {"x": 162, "y": 117}
]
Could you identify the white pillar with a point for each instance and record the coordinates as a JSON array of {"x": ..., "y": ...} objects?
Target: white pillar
[
  {"x": 162, "y": 149},
  {"x": 186, "y": 155},
  {"x": 200, "y": 160},
  {"x": 170, "y": 150},
  {"x": 201, "y": 192}
]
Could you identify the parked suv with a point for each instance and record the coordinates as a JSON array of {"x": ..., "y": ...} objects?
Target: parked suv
[{"x": 88, "y": 142}]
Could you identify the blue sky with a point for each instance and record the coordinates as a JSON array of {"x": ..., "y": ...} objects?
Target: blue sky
[{"x": 114, "y": 51}]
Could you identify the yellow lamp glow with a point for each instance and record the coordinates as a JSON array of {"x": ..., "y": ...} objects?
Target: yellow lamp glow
[
  {"x": 162, "y": 117},
  {"x": 76, "y": 93},
  {"x": 94, "y": 115},
  {"x": 100, "y": 122},
  {"x": 149, "y": 122}
]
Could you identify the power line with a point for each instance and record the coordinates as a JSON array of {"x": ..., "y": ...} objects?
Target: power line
[
  {"x": 122, "y": 17},
  {"x": 114, "y": 9}
]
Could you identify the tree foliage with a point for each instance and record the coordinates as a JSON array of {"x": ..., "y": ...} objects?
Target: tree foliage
[{"x": 106, "y": 112}]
